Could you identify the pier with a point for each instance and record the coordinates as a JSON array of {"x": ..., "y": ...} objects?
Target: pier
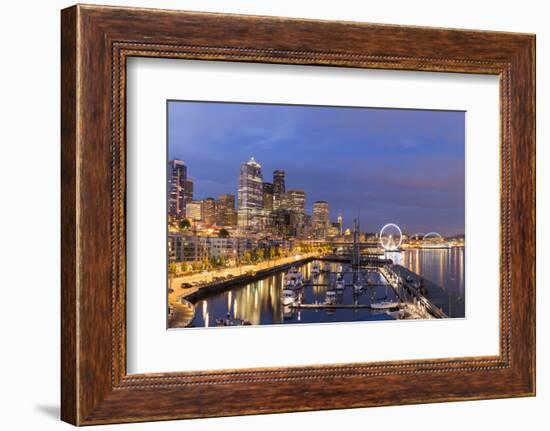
[
  {"x": 334, "y": 306},
  {"x": 407, "y": 290}
]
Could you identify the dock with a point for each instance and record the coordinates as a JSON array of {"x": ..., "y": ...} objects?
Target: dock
[
  {"x": 396, "y": 277},
  {"x": 334, "y": 306}
]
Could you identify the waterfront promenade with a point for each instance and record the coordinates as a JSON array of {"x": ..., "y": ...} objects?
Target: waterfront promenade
[{"x": 234, "y": 274}]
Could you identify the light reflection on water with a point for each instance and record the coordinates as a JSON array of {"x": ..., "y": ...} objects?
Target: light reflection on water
[
  {"x": 442, "y": 266},
  {"x": 260, "y": 302}
]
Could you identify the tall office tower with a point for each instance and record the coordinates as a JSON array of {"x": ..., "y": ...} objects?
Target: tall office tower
[
  {"x": 321, "y": 219},
  {"x": 278, "y": 190},
  {"x": 250, "y": 195},
  {"x": 208, "y": 215},
  {"x": 177, "y": 178},
  {"x": 225, "y": 210},
  {"x": 268, "y": 196},
  {"x": 188, "y": 191},
  {"x": 340, "y": 225},
  {"x": 193, "y": 210},
  {"x": 296, "y": 201}
]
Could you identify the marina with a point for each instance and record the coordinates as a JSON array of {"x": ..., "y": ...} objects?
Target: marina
[{"x": 315, "y": 289}]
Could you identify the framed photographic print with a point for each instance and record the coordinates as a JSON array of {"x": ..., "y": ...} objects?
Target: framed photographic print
[{"x": 333, "y": 214}]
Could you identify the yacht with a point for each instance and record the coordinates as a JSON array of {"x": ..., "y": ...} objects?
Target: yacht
[
  {"x": 340, "y": 282},
  {"x": 358, "y": 285},
  {"x": 316, "y": 268},
  {"x": 289, "y": 297},
  {"x": 294, "y": 279},
  {"x": 330, "y": 297}
]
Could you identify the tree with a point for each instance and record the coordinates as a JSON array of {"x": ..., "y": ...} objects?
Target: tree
[
  {"x": 223, "y": 233},
  {"x": 184, "y": 224},
  {"x": 172, "y": 270}
]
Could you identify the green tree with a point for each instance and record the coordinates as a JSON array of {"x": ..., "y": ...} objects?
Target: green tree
[
  {"x": 184, "y": 224},
  {"x": 223, "y": 233}
]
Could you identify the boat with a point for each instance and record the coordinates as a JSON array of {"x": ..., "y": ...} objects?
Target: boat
[
  {"x": 316, "y": 268},
  {"x": 330, "y": 297},
  {"x": 358, "y": 285},
  {"x": 289, "y": 297},
  {"x": 340, "y": 283},
  {"x": 340, "y": 269},
  {"x": 384, "y": 305},
  {"x": 294, "y": 279}
]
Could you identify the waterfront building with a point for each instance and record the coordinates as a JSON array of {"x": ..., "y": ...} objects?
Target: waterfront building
[
  {"x": 321, "y": 219},
  {"x": 250, "y": 196},
  {"x": 225, "y": 210},
  {"x": 180, "y": 189},
  {"x": 208, "y": 211},
  {"x": 340, "y": 225},
  {"x": 267, "y": 189},
  {"x": 186, "y": 248},
  {"x": 193, "y": 210},
  {"x": 192, "y": 248},
  {"x": 279, "y": 189}
]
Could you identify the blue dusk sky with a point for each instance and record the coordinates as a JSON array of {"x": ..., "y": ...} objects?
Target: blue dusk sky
[{"x": 389, "y": 165}]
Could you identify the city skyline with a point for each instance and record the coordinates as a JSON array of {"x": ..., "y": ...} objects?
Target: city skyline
[{"x": 402, "y": 166}]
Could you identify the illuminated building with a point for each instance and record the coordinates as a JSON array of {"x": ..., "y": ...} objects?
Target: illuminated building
[
  {"x": 250, "y": 196},
  {"x": 296, "y": 201},
  {"x": 278, "y": 189},
  {"x": 193, "y": 210},
  {"x": 225, "y": 210},
  {"x": 267, "y": 191},
  {"x": 180, "y": 188},
  {"x": 320, "y": 219},
  {"x": 208, "y": 213}
]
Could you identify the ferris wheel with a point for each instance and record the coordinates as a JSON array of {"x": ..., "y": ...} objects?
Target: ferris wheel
[{"x": 391, "y": 237}]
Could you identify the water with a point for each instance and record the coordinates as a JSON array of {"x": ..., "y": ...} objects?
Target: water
[
  {"x": 444, "y": 267},
  {"x": 260, "y": 302}
]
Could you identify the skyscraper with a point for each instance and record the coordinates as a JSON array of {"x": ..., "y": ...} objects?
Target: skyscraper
[
  {"x": 296, "y": 201},
  {"x": 278, "y": 189},
  {"x": 188, "y": 191},
  {"x": 321, "y": 219},
  {"x": 225, "y": 210},
  {"x": 180, "y": 188},
  {"x": 268, "y": 196},
  {"x": 340, "y": 225},
  {"x": 208, "y": 208},
  {"x": 193, "y": 210},
  {"x": 250, "y": 195}
]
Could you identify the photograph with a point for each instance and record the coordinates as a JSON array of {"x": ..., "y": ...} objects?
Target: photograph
[{"x": 306, "y": 214}]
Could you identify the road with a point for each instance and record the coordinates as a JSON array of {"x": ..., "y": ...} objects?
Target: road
[{"x": 224, "y": 272}]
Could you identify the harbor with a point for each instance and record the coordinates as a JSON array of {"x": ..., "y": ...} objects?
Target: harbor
[{"x": 379, "y": 290}]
